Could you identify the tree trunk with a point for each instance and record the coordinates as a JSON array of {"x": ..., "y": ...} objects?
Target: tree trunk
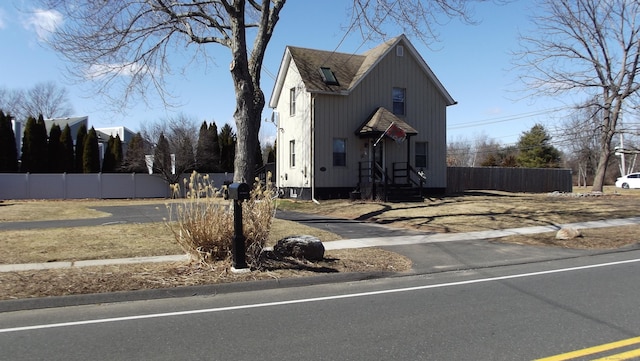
[
  {"x": 610, "y": 119},
  {"x": 249, "y": 100},
  {"x": 247, "y": 117},
  {"x": 601, "y": 170}
]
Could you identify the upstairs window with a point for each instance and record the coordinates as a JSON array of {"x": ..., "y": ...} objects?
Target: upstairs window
[
  {"x": 328, "y": 76},
  {"x": 398, "y": 101},
  {"x": 292, "y": 101}
]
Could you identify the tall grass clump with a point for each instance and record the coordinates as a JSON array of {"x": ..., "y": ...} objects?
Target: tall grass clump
[{"x": 203, "y": 223}]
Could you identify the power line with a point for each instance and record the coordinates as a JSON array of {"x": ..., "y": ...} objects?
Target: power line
[{"x": 503, "y": 118}]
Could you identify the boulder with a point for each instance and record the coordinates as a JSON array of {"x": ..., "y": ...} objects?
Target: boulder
[
  {"x": 568, "y": 233},
  {"x": 304, "y": 246}
]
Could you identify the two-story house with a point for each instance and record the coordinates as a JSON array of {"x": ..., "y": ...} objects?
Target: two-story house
[{"x": 373, "y": 123}]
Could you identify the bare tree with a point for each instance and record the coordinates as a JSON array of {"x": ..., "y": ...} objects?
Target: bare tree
[
  {"x": 11, "y": 102},
  {"x": 46, "y": 98},
  {"x": 459, "y": 153},
  {"x": 579, "y": 136},
  {"x": 181, "y": 135},
  {"x": 587, "y": 47},
  {"x": 122, "y": 42}
]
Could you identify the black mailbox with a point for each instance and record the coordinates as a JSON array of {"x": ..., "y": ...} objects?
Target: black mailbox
[{"x": 238, "y": 191}]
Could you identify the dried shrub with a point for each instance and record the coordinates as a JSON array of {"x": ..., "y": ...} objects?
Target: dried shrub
[{"x": 204, "y": 226}]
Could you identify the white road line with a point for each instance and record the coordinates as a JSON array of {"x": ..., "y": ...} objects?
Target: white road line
[{"x": 308, "y": 300}]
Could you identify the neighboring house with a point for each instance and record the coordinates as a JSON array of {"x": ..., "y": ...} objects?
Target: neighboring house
[
  {"x": 103, "y": 133},
  {"x": 74, "y": 124},
  {"x": 332, "y": 111}
]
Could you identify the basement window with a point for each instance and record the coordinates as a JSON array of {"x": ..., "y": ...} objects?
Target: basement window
[{"x": 328, "y": 76}]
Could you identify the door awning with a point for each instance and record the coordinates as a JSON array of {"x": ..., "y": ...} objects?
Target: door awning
[{"x": 379, "y": 121}]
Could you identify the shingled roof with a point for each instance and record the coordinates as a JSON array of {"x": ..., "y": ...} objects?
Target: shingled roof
[
  {"x": 348, "y": 69},
  {"x": 380, "y": 120}
]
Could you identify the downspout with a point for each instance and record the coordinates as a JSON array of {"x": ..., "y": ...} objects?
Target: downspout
[
  {"x": 313, "y": 152},
  {"x": 278, "y": 147}
]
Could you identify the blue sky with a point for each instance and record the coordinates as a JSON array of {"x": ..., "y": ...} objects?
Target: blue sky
[{"x": 472, "y": 61}]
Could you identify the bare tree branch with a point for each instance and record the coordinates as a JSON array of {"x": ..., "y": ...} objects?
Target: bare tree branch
[
  {"x": 590, "y": 48},
  {"x": 127, "y": 45}
]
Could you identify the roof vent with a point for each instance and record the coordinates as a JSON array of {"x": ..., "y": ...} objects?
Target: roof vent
[{"x": 328, "y": 76}]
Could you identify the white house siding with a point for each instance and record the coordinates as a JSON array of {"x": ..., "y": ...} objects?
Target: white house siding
[
  {"x": 296, "y": 128},
  {"x": 340, "y": 116}
]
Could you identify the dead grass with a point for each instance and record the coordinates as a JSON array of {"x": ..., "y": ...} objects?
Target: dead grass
[
  {"x": 82, "y": 243},
  {"x": 113, "y": 241},
  {"x": 479, "y": 211},
  {"x": 17, "y": 211},
  {"x": 470, "y": 212},
  {"x": 593, "y": 238},
  {"x": 61, "y": 282}
]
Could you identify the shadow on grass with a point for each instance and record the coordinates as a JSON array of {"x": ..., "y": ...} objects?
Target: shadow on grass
[{"x": 270, "y": 261}]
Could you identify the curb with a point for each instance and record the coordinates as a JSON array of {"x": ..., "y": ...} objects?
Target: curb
[{"x": 88, "y": 263}]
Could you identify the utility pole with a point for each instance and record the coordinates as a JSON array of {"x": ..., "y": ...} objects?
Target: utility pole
[{"x": 622, "y": 157}]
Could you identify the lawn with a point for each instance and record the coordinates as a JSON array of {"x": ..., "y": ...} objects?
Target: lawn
[{"x": 471, "y": 211}]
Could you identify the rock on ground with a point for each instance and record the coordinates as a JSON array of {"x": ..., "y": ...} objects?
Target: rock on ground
[
  {"x": 303, "y": 246},
  {"x": 568, "y": 233}
]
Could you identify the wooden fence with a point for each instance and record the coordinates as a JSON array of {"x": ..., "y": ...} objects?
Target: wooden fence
[{"x": 529, "y": 180}]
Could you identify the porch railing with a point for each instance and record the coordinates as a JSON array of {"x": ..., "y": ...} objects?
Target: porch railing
[
  {"x": 371, "y": 176},
  {"x": 403, "y": 172}
]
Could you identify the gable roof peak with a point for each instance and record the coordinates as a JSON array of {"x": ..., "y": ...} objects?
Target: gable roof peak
[{"x": 348, "y": 69}]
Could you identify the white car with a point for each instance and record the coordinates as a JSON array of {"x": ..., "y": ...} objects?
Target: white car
[{"x": 631, "y": 180}]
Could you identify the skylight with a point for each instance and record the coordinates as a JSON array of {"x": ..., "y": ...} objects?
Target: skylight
[{"x": 328, "y": 76}]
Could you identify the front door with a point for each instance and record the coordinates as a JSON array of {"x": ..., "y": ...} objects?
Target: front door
[{"x": 378, "y": 155}]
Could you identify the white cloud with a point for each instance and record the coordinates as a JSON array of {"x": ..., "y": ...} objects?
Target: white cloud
[
  {"x": 3, "y": 19},
  {"x": 99, "y": 71},
  {"x": 495, "y": 111},
  {"x": 43, "y": 22}
]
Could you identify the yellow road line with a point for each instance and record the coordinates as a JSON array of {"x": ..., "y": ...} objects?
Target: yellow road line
[
  {"x": 592, "y": 350},
  {"x": 621, "y": 356}
]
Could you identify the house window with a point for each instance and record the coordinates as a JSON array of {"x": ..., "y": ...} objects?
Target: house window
[
  {"x": 292, "y": 153},
  {"x": 421, "y": 155},
  {"x": 292, "y": 101},
  {"x": 339, "y": 152},
  {"x": 328, "y": 76},
  {"x": 398, "y": 101},
  {"x": 400, "y": 50}
]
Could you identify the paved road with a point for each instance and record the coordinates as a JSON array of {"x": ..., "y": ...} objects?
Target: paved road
[{"x": 520, "y": 312}]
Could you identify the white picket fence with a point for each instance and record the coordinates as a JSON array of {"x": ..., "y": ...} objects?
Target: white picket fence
[{"x": 91, "y": 185}]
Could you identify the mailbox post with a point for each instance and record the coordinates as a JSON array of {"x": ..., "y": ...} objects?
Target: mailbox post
[{"x": 238, "y": 192}]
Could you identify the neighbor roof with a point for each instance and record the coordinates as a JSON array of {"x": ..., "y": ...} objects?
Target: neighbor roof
[{"x": 62, "y": 122}]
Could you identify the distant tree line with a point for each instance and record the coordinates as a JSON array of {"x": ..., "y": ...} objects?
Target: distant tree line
[
  {"x": 55, "y": 152},
  {"x": 178, "y": 148},
  {"x": 171, "y": 148},
  {"x": 533, "y": 150}
]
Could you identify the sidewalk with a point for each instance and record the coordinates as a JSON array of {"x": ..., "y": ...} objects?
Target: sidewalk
[{"x": 487, "y": 254}]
